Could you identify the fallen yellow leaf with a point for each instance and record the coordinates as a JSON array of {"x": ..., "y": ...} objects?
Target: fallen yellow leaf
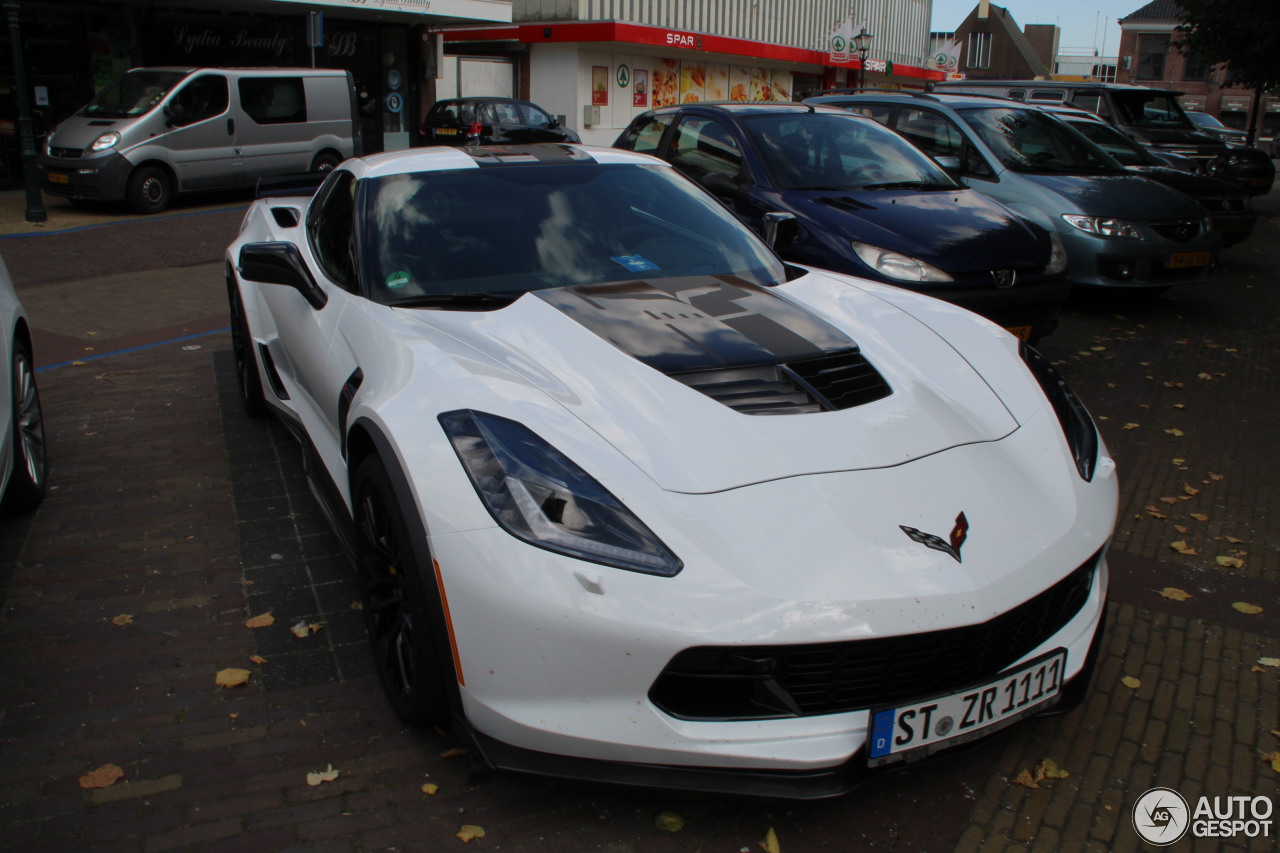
[
  {"x": 326, "y": 775},
  {"x": 455, "y": 752},
  {"x": 430, "y": 788},
  {"x": 1182, "y": 528},
  {"x": 1245, "y": 607},
  {"x": 1183, "y": 548},
  {"x": 668, "y": 821},
  {"x": 1174, "y": 594},
  {"x": 1205, "y": 376},
  {"x": 231, "y": 677},
  {"x": 1189, "y": 489},
  {"x": 469, "y": 832},
  {"x": 123, "y": 619},
  {"x": 1269, "y": 662},
  {"x": 1213, "y": 476},
  {"x": 1025, "y": 779},
  {"x": 1230, "y": 562},
  {"x": 258, "y": 659},
  {"x": 1176, "y": 433},
  {"x": 1131, "y": 682},
  {"x": 1233, "y": 540},
  {"x": 1169, "y": 501},
  {"x": 770, "y": 843},
  {"x": 1199, "y": 516},
  {"x": 104, "y": 777},
  {"x": 262, "y": 620},
  {"x": 1132, "y": 426},
  {"x": 1049, "y": 769}
]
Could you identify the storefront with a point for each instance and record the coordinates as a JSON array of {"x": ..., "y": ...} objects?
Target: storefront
[
  {"x": 599, "y": 75},
  {"x": 71, "y": 50}
]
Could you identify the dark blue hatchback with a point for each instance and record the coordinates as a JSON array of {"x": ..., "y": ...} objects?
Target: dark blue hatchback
[{"x": 865, "y": 202}]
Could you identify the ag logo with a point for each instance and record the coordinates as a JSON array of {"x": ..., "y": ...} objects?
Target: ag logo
[
  {"x": 1161, "y": 817},
  {"x": 959, "y": 533}
]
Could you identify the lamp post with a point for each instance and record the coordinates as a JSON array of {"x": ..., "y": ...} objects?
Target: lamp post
[
  {"x": 31, "y": 179},
  {"x": 862, "y": 44}
]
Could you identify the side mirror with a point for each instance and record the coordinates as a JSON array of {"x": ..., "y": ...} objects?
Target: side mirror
[
  {"x": 280, "y": 263},
  {"x": 779, "y": 229},
  {"x": 722, "y": 186}
]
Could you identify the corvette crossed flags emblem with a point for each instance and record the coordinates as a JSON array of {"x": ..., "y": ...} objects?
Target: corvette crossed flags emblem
[{"x": 959, "y": 533}]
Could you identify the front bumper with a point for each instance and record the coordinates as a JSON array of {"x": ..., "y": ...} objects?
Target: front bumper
[
  {"x": 1029, "y": 310},
  {"x": 103, "y": 178},
  {"x": 1136, "y": 264}
]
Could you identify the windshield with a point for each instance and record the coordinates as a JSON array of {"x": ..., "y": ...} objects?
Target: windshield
[
  {"x": 1206, "y": 120},
  {"x": 1122, "y": 148},
  {"x": 1150, "y": 109},
  {"x": 132, "y": 94},
  {"x": 498, "y": 232},
  {"x": 1027, "y": 140},
  {"x": 816, "y": 151}
]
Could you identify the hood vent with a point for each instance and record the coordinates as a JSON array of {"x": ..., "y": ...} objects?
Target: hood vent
[{"x": 839, "y": 380}]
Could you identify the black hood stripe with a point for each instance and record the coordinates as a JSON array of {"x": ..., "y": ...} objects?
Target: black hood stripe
[{"x": 691, "y": 323}]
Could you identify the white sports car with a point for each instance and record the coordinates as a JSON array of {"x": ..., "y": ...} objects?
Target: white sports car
[
  {"x": 632, "y": 499},
  {"x": 23, "y": 477}
]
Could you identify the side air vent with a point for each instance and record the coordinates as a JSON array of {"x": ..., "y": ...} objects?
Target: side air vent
[{"x": 839, "y": 380}]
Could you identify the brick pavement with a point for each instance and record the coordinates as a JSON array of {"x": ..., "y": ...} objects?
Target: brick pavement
[{"x": 169, "y": 506}]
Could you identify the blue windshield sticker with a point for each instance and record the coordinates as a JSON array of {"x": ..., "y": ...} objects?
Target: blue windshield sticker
[
  {"x": 636, "y": 263},
  {"x": 397, "y": 280}
]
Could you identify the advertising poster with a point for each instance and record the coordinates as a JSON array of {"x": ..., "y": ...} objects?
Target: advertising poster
[
  {"x": 666, "y": 82},
  {"x": 717, "y": 88},
  {"x": 780, "y": 85},
  {"x": 760, "y": 90},
  {"x": 739, "y": 83},
  {"x": 640, "y": 89},
  {"x": 599, "y": 86},
  {"x": 693, "y": 78}
]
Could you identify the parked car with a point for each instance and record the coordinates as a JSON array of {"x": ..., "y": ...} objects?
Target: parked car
[
  {"x": 1210, "y": 125},
  {"x": 864, "y": 202},
  {"x": 631, "y": 499},
  {"x": 1121, "y": 230},
  {"x": 1233, "y": 216},
  {"x": 491, "y": 121},
  {"x": 23, "y": 465},
  {"x": 154, "y": 132},
  {"x": 1151, "y": 116}
]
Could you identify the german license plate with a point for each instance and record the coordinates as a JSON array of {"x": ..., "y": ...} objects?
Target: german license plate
[
  {"x": 446, "y": 131},
  {"x": 59, "y": 178},
  {"x": 914, "y": 731},
  {"x": 1022, "y": 333},
  {"x": 1177, "y": 260}
]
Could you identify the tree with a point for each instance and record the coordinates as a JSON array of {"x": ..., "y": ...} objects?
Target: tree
[{"x": 1241, "y": 34}]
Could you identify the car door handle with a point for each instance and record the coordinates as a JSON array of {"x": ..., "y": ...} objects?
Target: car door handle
[{"x": 231, "y": 127}]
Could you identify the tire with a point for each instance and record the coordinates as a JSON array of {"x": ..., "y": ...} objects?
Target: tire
[
  {"x": 248, "y": 379},
  {"x": 29, "y": 477},
  {"x": 396, "y": 611},
  {"x": 325, "y": 162},
  {"x": 150, "y": 190}
]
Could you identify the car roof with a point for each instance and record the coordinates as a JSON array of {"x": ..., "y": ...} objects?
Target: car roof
[
  {"x": 476, "y": 99},
  {"x": 749, "y": 108},
  {"x": 1052, "y": 84},
  {"x": 446, "y": 158},
  {"x": 950, "y": 99}
]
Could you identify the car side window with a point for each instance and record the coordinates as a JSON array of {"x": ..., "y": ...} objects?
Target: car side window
[
  {"x": 878, "y": 112},
  {"x": 201, "y": 98},
  {"x": 938, "y": 137},
  {"x": 331, "y": 229},
  {"x": 1093, "y": 102},
  {"x": 273, "y": 100},
  {"x": 504, "y": 113},
  {"x": 645, "y": 136},
  {"x": 534, "y": 117},
  {"x": 702, "y": 146}
]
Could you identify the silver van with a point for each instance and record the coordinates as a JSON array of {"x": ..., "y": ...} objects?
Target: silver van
[{"x": 155, "y": 131}]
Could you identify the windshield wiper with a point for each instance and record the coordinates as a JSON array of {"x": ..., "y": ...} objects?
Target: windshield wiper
[
  {"x": 910, "y": 185},
  {"x": 479, "y": 299}
]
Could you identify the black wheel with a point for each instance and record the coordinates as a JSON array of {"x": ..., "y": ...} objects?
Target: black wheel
[
  {"x": 396, "y": 612},
  {"x": 29, "y": 478},
  {"x": 150, "y": 190},
  {"x": 247, "y": 377},
  {"x": 325, "y": 162}
]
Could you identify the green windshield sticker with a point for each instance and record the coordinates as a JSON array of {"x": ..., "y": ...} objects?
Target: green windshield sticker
[{"x": 397, "y": 279}]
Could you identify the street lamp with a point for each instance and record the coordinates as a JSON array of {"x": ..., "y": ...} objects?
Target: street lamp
[{"x": 862, "y": 44}]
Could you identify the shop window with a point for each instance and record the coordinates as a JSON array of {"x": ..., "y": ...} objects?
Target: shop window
[
  {"x": 1271, "y": 124},
  {"x": 1235, "y": 119},
  {"x": 1152, "y": 51},
  {"x": 978, "y": 52},
  {"x": 273, "y": 100}
]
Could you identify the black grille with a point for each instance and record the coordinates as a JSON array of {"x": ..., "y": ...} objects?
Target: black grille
[
  {"x": 67, "y": 153},
  {"x": 1178, "y": 230},
  {"x": 1223, "y": 205},
  {"x": 835, "y": 381},
  {"x": 760, "y": 682}
]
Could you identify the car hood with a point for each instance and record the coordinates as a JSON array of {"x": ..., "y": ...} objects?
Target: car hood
[
  {"x": 621, "y": 352},
  {"x": 1127, "y": 196},
  {"x": 955, "y": 230},
  {"x": 1196, "y": 186},
  {"x": 79, "y": 132}
]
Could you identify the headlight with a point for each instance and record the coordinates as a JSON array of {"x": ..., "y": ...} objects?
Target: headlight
[
  {"x": 1103, "y": 226},
  {"x": 1057, "y": 257},
  {"x": 105, "y": 141},
  {"x": 896, "y": 265},
  {"x": 1077, "y": 425},
  {"x": 539, "y": 495}
]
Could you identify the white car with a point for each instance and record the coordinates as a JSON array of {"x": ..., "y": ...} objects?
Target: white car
[
  {"x": 632, "y": 499},
  {"x": 23, "y": 478}
]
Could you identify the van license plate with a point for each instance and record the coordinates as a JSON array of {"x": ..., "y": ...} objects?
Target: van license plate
[
  {"x": 1022, "y": 333},
  {"x": 59, "y": 178},
  {"x": 1177, "y": 260},
  {"x": 446, "y": 131},
  {"x": 914, "y": 731}
]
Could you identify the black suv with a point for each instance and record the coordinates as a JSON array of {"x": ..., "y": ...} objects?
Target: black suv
[
  {"x": 844, "y": 193},
  {"x": 491, "y": 121}
]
